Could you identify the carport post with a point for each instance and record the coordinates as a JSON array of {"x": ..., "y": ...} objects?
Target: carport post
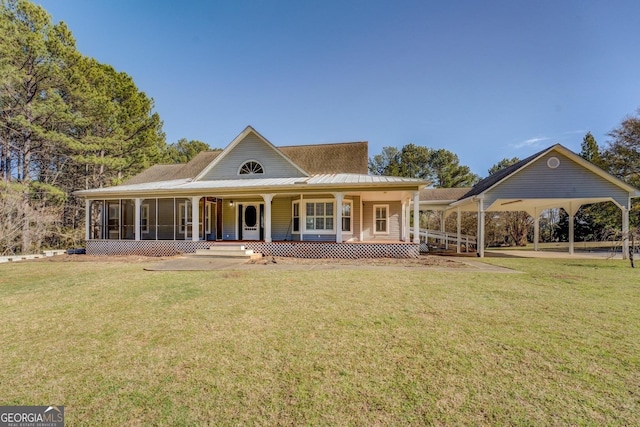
[
  {"x": 480, "y": 234},
  {"x": 573, "y": 209},
  {"x": 536, "y": 228},
  {"x": 571, "y": 232},
  {"x": 625, "y": 231},
  {"x": 459, "y": 236}
]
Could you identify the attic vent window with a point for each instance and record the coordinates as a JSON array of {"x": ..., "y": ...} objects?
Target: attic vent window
[
  {"x": 250, "y": 167},
  {"x": 553, "y": 162}
]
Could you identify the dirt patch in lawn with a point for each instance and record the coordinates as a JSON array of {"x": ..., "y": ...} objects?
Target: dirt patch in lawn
[{"x": 195, "y": 263}]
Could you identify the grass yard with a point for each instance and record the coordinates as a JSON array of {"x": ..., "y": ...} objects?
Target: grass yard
[{"x": 559, "y": 344}]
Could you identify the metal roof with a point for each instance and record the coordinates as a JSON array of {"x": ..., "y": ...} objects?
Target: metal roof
[{"x": 188, "y": 185}]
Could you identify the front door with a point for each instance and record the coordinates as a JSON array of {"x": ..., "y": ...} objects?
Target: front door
[{"x": 251, "y": 222}]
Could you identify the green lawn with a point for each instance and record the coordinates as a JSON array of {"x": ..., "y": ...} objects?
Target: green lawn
[{"x": 559, "y": 344}]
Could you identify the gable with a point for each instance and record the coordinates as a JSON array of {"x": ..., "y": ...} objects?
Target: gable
[
  {"x": 569, "y": 180},
  {"x": 250, "y": 147}
]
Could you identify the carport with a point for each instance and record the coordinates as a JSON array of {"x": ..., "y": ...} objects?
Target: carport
[{"x": 552, "y": 178}]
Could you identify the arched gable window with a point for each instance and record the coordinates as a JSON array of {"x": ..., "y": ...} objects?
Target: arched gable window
[{"x": 250, "y": 167}]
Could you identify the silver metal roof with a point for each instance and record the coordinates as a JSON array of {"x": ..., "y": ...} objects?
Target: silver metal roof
[{"x": 243, "y": 184}]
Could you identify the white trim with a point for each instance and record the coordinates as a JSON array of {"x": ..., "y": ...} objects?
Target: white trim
[
  {"x": 633, "y": 192},
  {"x": 268, "y": 199},
  {"x": 235, "y": 142},
  {"x": 87, "y": 218},
  {"x": 361, "y": 209},
  {"x": 333, "y": 217},
  {"x": 250, "y": 174},
  {"x": 416, "y": 217},
  {"x": 183, "y": 213},
  {"x": 386, "y": 219},
  {"x": 293, "y": 217},
  {"x": 350, "y": 203},
  {"x": 116, "y": 209},
  {"x": 144, "y": 207},
  {"x": 339, "y": 197},
  {"x": 195, "y": 218}
]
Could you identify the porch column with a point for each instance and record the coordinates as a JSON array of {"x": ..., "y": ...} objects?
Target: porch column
[
  {"x": 303, "y": 222},
  {"x": 339, "y": 197},
  {"x": 480, "y": 233},
  {"x": 267, "y": 217},
  {"x": 625, "y": 230},
  {"x": 573, "y": 209},
  {"x": 458, "y": 231},
  {"x": 416, "y": 217},
  {"x": 407, "y": 221},
  {"x": 444, "y": 239},
  {"x": 571, "y": 232},
  {"x": 87, "y": 219},
  {"x": 136, "y": 217},
  {"x": 195, "y": 218},
  {"x": 403, "y": 232}
]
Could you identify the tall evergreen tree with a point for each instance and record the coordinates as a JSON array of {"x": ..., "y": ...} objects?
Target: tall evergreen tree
[
  {"x": 441, "y": 167},
  {"x": 447, "y": 172},
  {"x": 67, "y": 122},
  {"x": 589, "y": 150}
]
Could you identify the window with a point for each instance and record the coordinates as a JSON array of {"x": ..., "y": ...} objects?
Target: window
[
  {"x": 296, "y": 217},
  {"x": 114, "y": 215},
  {"x": 250, "y": 167},
  {"x": 381, "y": 219},
  {"x": 113, "y": 219},
  {"x": 319, "y": 216},
  {"x": 184, "y": 217},
  {"x": 346, "y": 216},
  {"x": 144, "y": 218}
]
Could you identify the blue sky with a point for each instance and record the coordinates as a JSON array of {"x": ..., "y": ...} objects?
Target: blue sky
[{"x": 484, "y": 79}]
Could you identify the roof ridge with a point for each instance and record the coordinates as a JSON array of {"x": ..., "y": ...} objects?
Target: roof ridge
[{"x": 323, "y": 144}]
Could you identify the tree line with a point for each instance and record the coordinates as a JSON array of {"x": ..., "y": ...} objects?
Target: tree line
[
  {"x": 620, "y": 156},
  {"x": 67, "y": 122}
]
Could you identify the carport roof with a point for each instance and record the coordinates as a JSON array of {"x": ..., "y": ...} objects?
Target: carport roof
[{"x": 505, "y": 174}]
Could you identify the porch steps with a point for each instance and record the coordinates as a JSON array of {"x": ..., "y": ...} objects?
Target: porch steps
[{"x": 228, "y": 251}]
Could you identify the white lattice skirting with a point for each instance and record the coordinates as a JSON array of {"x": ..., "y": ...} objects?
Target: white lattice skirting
[{"x": 283, "y": 249}]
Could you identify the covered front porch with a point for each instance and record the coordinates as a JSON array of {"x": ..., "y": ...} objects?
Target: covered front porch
[
  {"x": 354, "y": 250},
  {"x": 350, "y": 224}
]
